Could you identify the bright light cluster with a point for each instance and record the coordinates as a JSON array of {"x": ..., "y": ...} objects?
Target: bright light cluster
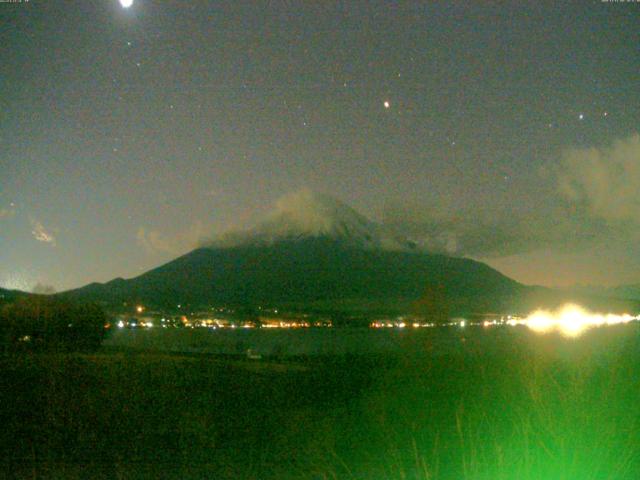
[
  {"x": 400, "y": 324},
  {"x": 570, "y": 320}
]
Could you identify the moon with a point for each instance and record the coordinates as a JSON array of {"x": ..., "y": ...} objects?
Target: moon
[{"x": 126, "y": 3}]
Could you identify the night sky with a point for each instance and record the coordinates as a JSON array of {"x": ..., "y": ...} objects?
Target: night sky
[{"x": 510, "y": 133}]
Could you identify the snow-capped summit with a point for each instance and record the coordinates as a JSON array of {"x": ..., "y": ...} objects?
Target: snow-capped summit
[
  {"x": 310, "y": 214},
  {"x": 306, "y": 214}
]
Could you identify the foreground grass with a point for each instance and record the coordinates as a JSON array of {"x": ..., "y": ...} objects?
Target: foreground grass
[{"x": 527, "y": 408}]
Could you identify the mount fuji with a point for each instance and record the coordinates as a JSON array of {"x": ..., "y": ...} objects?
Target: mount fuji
[
  {"x": 308, "y": 214},
  {"x": 315, "y": 251}
]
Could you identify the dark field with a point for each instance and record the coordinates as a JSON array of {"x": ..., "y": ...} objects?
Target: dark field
[{"x": 526, "y": 407}]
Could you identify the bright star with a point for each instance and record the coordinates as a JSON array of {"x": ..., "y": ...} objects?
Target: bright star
[
  {"x": 386, "y": 104},
  {"x": 126, "y": 3},
  {"x": 581, "y": 116}
]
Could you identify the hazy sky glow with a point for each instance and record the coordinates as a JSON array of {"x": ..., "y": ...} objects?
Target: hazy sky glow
[{"x": 508, "y": 133}]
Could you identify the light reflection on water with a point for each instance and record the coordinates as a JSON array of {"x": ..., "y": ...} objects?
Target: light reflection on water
[{"x": 354, "y": 341}]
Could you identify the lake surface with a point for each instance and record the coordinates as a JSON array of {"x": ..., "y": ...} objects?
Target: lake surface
[{"x": 361, "y": 341}]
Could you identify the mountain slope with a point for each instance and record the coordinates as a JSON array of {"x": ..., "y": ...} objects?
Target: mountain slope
[
  {"x": 309, "y": 270},
  {"x": 8, "y": 296},
  {"x": 313, "y": 250}
]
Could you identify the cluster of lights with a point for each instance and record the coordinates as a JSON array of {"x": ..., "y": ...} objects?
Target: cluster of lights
[
  {"x": 134, "y": 324},
  {"x": 286, "y": 324},
  {"x": 295, "y": 324},
  {"x": 570, "y": 320},
  {"x": 217, "y": 323},
  {"x": 400, "y": 324}
]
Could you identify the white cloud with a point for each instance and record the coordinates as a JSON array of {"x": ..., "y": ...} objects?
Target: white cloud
[
  {"x": 598, "y": 202},
  {"x": 604, "y": 181},
  {"x": 41, "y": 234},
  {"x": 155, "y": 242}
]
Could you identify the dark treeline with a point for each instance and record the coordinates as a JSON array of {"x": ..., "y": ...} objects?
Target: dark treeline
[{"x": 42, "y": 323}]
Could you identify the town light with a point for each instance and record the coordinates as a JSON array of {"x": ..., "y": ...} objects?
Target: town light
[{"x": 570, "y": 320}]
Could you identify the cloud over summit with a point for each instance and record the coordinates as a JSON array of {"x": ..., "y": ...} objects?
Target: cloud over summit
[
  {"x": 592, "y": 199},
  {"x": 156, "y": 242}
]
